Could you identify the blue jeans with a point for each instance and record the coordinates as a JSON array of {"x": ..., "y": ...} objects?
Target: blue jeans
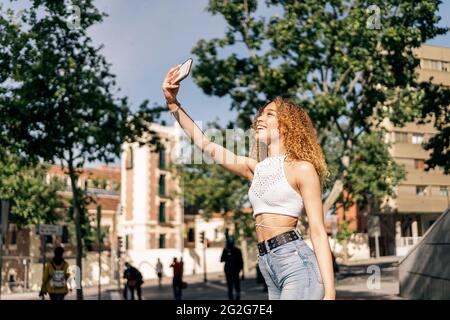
[
  {"x": 291, "y": 272},
  {"x": 177, "y": 283}
]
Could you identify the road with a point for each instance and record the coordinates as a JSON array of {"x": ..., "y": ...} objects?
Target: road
[
  {"x": 353, "y": 284},
  {"x": 348, "y": 286}
]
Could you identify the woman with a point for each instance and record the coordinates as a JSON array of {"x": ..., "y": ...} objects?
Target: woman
[{"x": 287, "y": 181}]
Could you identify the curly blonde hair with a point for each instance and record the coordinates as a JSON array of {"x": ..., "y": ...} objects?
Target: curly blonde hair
[{"x": 298, "y": 134}]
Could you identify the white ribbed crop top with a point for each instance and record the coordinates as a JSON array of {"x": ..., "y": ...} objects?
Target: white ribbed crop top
[{"x": 270, "y": 192}]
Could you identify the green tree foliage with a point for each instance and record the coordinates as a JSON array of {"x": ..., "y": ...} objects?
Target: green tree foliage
[
  {"x": 59, "y": 103},
  {"x": 33, "y": 201},
  {"x": 344, "y": 232},
  {"x": 350, "y": 64},
  {"x": 372, "y": 173}
]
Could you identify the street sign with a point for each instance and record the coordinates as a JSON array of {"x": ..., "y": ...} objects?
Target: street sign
[
  {"x": 4, "y": 213},
  {"x": 374, "y": 231},
  {"x": 373, "y": 226},
  {"x": 49, "y": 229}
]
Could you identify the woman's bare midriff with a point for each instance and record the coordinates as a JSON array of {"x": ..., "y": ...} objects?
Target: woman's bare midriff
[{"x": 273, "y": 220}]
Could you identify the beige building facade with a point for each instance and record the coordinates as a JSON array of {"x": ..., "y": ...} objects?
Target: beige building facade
[{"x": 423, "y": 195}]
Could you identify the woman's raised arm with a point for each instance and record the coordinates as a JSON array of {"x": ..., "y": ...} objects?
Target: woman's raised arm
[{"x": 239, "y": 165}]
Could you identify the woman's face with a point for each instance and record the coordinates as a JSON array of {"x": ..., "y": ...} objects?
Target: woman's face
[{"x": 267, "y": 124}]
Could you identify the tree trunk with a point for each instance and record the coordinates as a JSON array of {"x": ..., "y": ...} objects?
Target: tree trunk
[
  {"x": 77, "y": 218},
  {"x": 339, "y": 183},
  {"x": 333, "y": 196}
]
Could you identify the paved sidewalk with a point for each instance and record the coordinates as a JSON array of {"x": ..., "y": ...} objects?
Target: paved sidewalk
[
  {"x": 90, "y": 293},
  {"x": 385, "y": 260},
  {"x": 353, "y": 282}
]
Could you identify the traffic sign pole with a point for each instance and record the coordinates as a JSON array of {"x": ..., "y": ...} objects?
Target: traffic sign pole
[
  {"x": 43, "y": 240},
  {"x": 47, "y": 230},
  {"x": 4, "y": 212}
]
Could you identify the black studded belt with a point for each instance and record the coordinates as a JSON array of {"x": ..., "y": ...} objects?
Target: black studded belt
[{"x": 270, "y": 244}]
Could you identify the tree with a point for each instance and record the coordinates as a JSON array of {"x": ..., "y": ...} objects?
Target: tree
[
  {"x": 63, "y": 108},
  {"x": 349, "y": 64},
  {"x": 343, "y": 236},
  {"x": 372, "y": 174},
  {"x": 33, "y": 201},
  {"x": 438, "y": 106}
]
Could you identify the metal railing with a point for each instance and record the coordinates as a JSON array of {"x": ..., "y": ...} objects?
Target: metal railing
[{"x": 407, "y": 241}]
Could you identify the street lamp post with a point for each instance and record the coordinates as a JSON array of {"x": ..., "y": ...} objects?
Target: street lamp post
[
  {"x": 182, "y": 220},
  {"x": 99, "y": 238},
  {"x": 203, "y": 241},
  {"x": 44, "y": 247},
  {"x": 25, "y": 263},
  {"x": 5, "y": 205}
]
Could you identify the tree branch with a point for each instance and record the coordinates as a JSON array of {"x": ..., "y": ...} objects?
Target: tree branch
[
  {"x": 338, "y": 84},
  {"x": 245, "y": 36},
  {"x": 353, "y": 83},
  {"x": 341, "y": 132}
]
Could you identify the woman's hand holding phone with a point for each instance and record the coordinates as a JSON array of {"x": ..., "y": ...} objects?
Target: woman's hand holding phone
[{"x": 170, "y": 89}]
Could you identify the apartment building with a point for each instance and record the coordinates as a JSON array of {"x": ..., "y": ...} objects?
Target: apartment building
[{"x": 423, "y": 195}]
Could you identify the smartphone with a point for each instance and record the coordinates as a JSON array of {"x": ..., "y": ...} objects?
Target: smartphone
[{"x": 183, "y": 71}]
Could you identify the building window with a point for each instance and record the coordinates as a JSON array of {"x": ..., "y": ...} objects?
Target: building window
[
  {"x": 423, "y": 63},
  {"x": 191, "y": 235},
  {"x": 116, "y": 186},
  {"x": 128, "y": 244},
  {"x": 443, "y": 191},
  {"x": 421, "y": 190},
  {"x": 401, "y": 137},
  {"x": 162, "y": 185},
  {"x": 162, "y": 158},
  {"x": 14, "y": 236},
  {"x": 417, "y": 138},
  {"x": 162, "y": 212},
  {"x": 129, "y": 158},
  {"x": 162, "y": 241},
  {"x": 419, "y": 164},
  {"x": 437, "y": 65}
]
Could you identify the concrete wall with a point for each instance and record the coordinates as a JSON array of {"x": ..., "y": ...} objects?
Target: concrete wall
[
  {"x": 145, "y": 261},
  {"x": 90, "y": 271},
  {"x": 357, "y": 248},
  {"x": 425, "y": 273}
]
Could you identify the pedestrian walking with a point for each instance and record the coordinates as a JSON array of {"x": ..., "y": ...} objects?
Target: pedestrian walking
[
  {"x": 159, "y": 271},
  {"x": 232, "y": 256},
  {"x": 55, "y": 277},
  {"x": 177, "y": 282},
  {"x": 287, "y": 170},
  {"x": 134, "y": 281}
]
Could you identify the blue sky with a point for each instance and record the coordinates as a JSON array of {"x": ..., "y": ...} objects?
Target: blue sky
[{"x": 144, "y": 38}]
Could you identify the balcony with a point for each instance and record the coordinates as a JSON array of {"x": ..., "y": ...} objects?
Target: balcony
[
  {"x": 97, "y": 191},
  {"x": 404, "y": 244}
]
